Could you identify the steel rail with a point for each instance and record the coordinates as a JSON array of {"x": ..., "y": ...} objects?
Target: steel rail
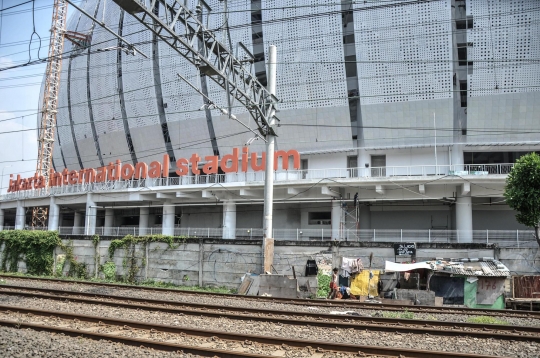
[
  {"x": 262, "y": 339},
  {"x": 303, "y": 302},
  {"x": 442, "y": 328}
]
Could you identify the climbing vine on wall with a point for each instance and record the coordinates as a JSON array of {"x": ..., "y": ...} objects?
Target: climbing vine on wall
[
  {"x": 133, "y": 262},
  {"x": 76, "y": 269},
  {"x": 35, "y": 248}
]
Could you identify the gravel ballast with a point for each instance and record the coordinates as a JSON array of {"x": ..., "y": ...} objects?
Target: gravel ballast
[
  {"x": 363, "y": 337},
  {"x": 182, "y": 297}
]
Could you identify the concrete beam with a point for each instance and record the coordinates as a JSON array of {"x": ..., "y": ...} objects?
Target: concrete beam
[
  {"x": 208, "y": 194},
  {"x": 329, "y": 191},
  {"x": 465, "y": 188},
  {"x": 422, "y": 188},
  {"x": 247, "y": 192},
  {"x": 165, "y": 195},
  {"x": 293, "y": 191},
  {"x": 188, "y": 195},
  {"x": 379, "y": 189}
]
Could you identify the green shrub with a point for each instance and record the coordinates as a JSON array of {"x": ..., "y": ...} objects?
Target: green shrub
[{"x": 324, "y": 285}]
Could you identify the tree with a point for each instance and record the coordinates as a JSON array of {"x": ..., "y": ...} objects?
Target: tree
[{"x": 522, "y": 191}]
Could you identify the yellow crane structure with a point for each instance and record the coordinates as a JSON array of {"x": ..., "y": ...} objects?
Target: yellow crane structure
[{"x": 47, "y": 126}]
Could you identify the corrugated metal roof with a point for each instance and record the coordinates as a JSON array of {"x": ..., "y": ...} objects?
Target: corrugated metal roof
[{"x": 474, "y": 267}]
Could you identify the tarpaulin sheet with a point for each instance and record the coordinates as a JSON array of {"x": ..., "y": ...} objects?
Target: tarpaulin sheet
[
  {"x": 395, "y": 267},
  {"x": 449, "y": 288},
  {"x": 359, "y": 285}
]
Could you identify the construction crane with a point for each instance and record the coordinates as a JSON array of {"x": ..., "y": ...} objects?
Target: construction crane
[{"x": 50, "y": 97}]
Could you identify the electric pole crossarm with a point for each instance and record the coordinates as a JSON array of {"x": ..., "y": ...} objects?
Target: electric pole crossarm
[{"x": 212, "y": 58}]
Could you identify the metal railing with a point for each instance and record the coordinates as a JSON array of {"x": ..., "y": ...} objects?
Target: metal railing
[
  {"x": 283, "y": 175},
  {"x": 503, "y": 238}
]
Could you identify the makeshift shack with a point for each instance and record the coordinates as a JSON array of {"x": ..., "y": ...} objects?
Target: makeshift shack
[{"x": 475, "y": 283}]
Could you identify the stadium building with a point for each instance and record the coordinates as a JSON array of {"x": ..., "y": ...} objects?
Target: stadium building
[{"x": 394, "y": 116}]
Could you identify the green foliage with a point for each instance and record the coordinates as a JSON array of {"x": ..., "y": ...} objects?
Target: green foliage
[
  {"x": 486, "y": 320},
  {"x": 34, "y": 247},
  {"x": 109, "y": 270},
  {"x": 522, "y": 191},
  {"x": 132, "y": 262},
  {"x": 324, "y": 285},
  {"x": 392, "y": 314},
  {"x": 76, "y": 269}
]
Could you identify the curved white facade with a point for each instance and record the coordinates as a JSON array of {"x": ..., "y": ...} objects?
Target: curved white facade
[{"x": 366, "y": 91}]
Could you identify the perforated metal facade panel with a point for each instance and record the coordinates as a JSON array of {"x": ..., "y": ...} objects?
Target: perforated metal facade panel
[
  {"x": 304, "y": 41},
  {"x": 404, "y": 75},
  {"x": 505, "y": 46},
  {"x": 503, "y": 88},
  {"x": 104, "y": 73},
  {"x": 139, "y": 92},
  {"x": 403, "y": 51}
]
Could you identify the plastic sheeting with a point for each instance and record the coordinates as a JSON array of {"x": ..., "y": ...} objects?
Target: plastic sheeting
[
  {"x": 397, "y": 267},
  {"x": 359, "y": 285}
]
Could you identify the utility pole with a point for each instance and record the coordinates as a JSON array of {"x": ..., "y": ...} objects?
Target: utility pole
[{"x": 268, "y": 238}]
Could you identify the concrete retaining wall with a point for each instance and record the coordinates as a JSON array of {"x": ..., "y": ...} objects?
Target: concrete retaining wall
[{"x": 214, "y": 262}]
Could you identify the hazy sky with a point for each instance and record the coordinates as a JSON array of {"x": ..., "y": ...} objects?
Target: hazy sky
[{"x": 19, "y": 88}]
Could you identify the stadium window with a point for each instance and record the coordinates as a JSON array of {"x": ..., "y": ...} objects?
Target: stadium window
[
  {"x": 465, "y": 24},
  {"x": 463, "y": 93},
  {"x": 256, "y": 18},
  {"x": 350, "y": 66},
  {"x": 348, "y": 39},
  {"x": 462, "y": 54}
]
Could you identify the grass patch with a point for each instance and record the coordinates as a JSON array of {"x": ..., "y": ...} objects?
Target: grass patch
[
  {"x": 147, "y": 283},
  {"x": 405, "y": 314},
  {"x": 486, "y": 320}
]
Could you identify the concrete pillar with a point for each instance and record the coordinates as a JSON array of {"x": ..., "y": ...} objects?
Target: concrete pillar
[
  {"x": 77, "y": 220},
  {"x": 336, "y": 219},
  {"x": 109, "y": 222},
  {"x": 364, "y": 219},
  {"x": 144, "y": 214},
  {"x": 20, "y": 216},
  {"x": 54, "y": 215},
  {"x": 464, "y": 224},
  {"x": 168, "y": 218},
  {"x": 229, "y": 219},
  {"x": 457, "y": 157},
  {"x": 363, "y": 159},
  {"x": 1, "y": 219},
  {"x": 91, "y": 216}
]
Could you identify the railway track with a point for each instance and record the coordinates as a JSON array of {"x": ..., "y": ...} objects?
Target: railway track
[
  {"x": 170, "y": 338},
  {"x": 303, "y": 302},
  {"x": 381, "y": 324}
]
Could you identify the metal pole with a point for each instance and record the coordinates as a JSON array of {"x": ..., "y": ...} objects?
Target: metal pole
[
  {"x": 435, "y": 132},
  {"x": 429, "y": 235},
  {"x": 270, "y": 142},
  {"x": 487, "y": 236}
]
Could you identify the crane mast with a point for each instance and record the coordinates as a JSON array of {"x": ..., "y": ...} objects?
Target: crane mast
[{"x": 50, "y": 103}]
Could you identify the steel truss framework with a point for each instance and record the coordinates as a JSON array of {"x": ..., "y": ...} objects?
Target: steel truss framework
[
  {"x": 213, "y": 58},
  {"x": 50, "y": 102}
]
